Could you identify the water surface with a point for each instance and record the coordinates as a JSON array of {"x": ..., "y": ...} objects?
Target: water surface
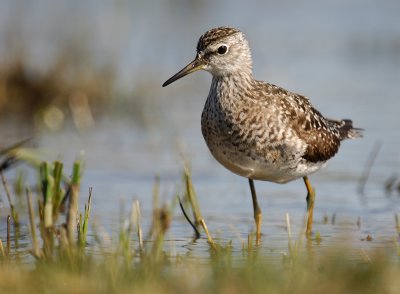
[{"x": 345, "y": 56}]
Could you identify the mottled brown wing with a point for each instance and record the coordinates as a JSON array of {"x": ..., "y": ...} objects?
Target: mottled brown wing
[{"x": 321, "y": 136}]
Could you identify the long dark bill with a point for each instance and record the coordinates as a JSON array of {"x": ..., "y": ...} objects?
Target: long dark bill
[{"x": 195, "y": 65}]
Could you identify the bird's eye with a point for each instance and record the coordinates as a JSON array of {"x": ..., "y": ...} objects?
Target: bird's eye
[{"x": 222, "y": 49}]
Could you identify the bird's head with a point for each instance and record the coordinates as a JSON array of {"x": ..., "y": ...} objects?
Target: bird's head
[{"x": 221, "y": 51}]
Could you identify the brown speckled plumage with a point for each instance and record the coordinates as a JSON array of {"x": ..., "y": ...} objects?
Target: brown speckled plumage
[
  {"x": 214, "y": 35},
  {"x": 256, "y": 129}
]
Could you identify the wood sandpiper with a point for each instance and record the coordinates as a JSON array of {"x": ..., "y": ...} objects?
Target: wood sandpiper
[{"x": 258, "y": 130}]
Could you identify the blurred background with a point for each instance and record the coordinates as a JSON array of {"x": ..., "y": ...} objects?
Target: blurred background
[{"x": 84, "y": 78}]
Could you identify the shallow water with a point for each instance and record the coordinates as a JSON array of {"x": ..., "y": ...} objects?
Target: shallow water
[
  {"x": 122, "y": 162},
  {"x": 345, "y": 57}
]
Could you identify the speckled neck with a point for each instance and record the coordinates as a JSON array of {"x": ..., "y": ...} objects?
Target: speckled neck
[{"x": 231, "y": 88}]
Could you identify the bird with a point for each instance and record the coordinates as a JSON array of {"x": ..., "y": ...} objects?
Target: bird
[{"x": 256, "y": 129}]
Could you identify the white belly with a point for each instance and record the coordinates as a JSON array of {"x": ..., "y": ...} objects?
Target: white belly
[{"x": 258, "y": 168}]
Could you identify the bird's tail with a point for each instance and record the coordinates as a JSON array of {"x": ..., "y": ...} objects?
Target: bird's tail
[{"x": 346, "y": 129}]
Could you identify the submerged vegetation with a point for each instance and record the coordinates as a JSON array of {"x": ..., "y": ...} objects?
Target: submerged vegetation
[{"x": 66, "y": 259}]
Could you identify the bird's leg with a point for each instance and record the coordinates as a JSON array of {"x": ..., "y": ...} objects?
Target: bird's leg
[
  {"x": 256, "y": 208},
  {"x": 310, "y": 204}
]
